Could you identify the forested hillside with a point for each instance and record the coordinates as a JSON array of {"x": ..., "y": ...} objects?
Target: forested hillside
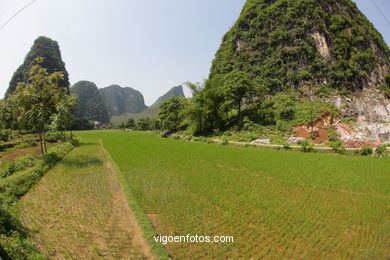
[
  {"x": 90, "y": 102},
  {"x": 286, "y": 62},
  {"x": 120, "y": 100},
  {"x": 47, "y": 49}
]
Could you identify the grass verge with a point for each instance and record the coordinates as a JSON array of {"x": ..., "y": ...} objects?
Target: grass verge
[{"x": 139, "y": 213}]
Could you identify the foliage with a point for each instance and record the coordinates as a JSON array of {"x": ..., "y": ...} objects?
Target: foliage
[
  {"x": 381, "y": 151},
  {"x": 307, "y": 147},
  {"x": 366, "y": 150},
  {"x": 119, "y": 101},
  {"x": 273, "y": 41},
  {"x": 237, "y": 89},
  {"x": 91, "y": 105},
  {"x": 223, "y": 142},
  {"x": 27, "y": 171},
  {"x": 41, "y": 102},
  {"x": 9, "y": 168},
  {"x": 50, "y": 52},
  {"x": 129, "y": 124},
  {"x": 271, "y": 71},
  {"x": 83, "y": 124},
  {"x": 337, "y": 146},
  {"x": 171, "y": 114}
]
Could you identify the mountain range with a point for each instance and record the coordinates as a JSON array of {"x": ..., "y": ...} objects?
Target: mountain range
[{"x": 116, "y": 102}]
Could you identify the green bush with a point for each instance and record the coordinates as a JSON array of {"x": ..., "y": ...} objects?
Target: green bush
[
  {"x": 174, "y": 136},
  {"x": 18, "y": 247},
  {"x": 27, "y": 144},
  {"x": 337, "y": 146},
  {"x": 5, "y": 135},
  {"x": 366, "y": 150},
  {"x": 307, "y": 147},
  {"x": 381, "y": 151},
  {"x": 223, "y": 142},
  {"x": 9, "y": 168}
]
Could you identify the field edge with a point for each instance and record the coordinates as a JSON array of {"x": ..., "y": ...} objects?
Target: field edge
[{"x": 146, "y": 226}]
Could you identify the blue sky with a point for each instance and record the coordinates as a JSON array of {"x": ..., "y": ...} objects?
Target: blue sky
[{"x": 150, "y": 45}]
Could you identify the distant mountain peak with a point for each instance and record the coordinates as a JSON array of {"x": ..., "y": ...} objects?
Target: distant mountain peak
[
  {"x": 121, "y": 100},
  {"x": 173, "y": 92}
]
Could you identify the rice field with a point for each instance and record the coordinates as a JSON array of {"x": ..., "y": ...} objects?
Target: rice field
[{"x": 276, "y": 204}]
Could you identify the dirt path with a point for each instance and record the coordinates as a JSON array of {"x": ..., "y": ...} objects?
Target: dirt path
[
  {"x": 327, "y": 148},
  {"x": 79, "y": 211},
  {"x": 126, "y": 221}
]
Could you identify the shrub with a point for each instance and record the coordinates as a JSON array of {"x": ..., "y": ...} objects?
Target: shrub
[
  {"x": 337, "y": 146},
  {"x": 20, "y": 164},
  {"x": 223, "y": 142},
  {"x": 381, "y": 151},
  {"x": 307, "y": 147},
  {"x": 366, "y": 150},
  {"x": 27, "y": 144},
  {"x": 7, "y": 169},
  {"x": 18, "y": 247},
  {"x": 5, "y": 135}
]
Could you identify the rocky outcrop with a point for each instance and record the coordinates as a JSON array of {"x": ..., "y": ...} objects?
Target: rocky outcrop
[
  {"x": 322, "y": 45},
  {"x": 90, "y": 102},
  {"x": 120, "y": 100},
  {"x": 371, "y": 110},
  {"x": 173, "y": 92}
]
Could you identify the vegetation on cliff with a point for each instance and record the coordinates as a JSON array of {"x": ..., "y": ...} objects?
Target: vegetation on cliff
[
  {"x": 292, "y": 51},
  {"x": 47, "y": 49},
  {"x": 90, "y": 105}
]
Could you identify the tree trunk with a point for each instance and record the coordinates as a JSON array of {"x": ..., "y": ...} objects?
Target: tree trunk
[
  {"x": 40, "y": 142},
  {"x": 239, "y": 115},
  {"x": 44, "y": 139},
  {"x": 71, "y": 134}
]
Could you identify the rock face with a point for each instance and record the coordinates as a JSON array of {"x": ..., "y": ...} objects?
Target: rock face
[
  {"x": 49, "y": 50},
  {"x": 173, "y": 92},
  {"x": 90, "y": 105},
  {"x": 120, "y": 100},
  {"x": 370, "y": 108}
]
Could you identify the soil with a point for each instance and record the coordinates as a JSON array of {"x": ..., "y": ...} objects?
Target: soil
[{"x": 318, "y": 129}]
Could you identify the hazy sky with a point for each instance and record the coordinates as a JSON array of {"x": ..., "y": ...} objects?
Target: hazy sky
[{"x": 150, "y": 45}]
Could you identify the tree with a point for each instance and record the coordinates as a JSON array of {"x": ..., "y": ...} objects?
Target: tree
[
  {"x": 36, "y": 101},
  {"x": 171, "y": 114},
  {"x": 237, "y": 89},
  {"x": 129, "y": 124},
  {"x": 64, "y": 119}
]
